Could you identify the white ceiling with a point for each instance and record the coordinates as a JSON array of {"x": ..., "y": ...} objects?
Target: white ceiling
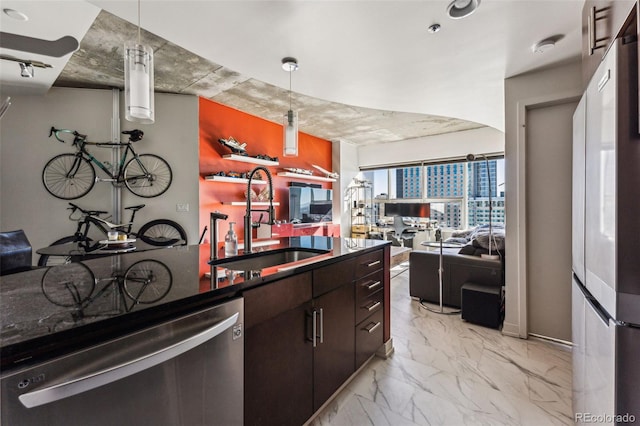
[
  {"x": 372, "y": 54},
  {"x": 50, "y": 20}
]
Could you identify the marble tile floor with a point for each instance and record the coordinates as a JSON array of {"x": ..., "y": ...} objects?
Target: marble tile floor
[{"x": 445, "y": 371}]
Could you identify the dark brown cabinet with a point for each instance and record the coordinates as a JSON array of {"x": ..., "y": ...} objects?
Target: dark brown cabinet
[
  {"x": 333, "y": 303},
  {"x": 278, "y": 358},
  {"x": 369, "y": 305},
  {"x": 602, "y": 22},
  {"x": 302, "y": 339}
]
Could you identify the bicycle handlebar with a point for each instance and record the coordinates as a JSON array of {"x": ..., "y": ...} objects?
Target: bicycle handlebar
[{"x": 76, "y": 136}]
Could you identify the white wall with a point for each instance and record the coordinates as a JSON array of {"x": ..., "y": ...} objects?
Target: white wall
[
  {"x": 521, "y": 93},
  {"x": 345, "y": 161},
  {"x": 485, "y": 140},
  {"x": 25, "y": 148}
]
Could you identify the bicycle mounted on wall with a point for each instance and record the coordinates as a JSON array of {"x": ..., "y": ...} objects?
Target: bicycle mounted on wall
[
  {"x": 158, "y": 232},
  {"x": 71, "y": 176}
]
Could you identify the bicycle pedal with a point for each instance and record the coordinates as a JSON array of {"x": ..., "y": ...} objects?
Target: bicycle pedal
[{"x": 105, "y": 179}]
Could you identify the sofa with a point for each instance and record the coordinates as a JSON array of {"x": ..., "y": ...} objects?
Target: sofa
[{"x": 459, "y": 265}]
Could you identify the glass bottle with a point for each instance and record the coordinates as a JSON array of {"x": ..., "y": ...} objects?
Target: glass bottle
[{"x": 231, "y": 242}]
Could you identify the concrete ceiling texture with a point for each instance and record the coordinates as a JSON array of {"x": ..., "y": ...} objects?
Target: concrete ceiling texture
[{"x": 370, "y": 72}]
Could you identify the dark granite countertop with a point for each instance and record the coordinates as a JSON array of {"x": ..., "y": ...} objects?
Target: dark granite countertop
[{"x": 47, "y": 312}]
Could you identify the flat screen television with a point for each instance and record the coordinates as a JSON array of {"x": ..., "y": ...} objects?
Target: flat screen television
[
  {"x": 407, "y": 209},
  {"x": 308, "y": 204}
]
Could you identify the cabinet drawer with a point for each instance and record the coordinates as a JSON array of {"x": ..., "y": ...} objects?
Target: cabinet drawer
[
  {"x": 333, "y": 276},
  {"x": 369, "y": 305},
  {"x": 268, "y": 301},
  {"x": 370, "y": 284},
  {"x": 368, "y": 263},
  {"x": 368, "y": 337}
]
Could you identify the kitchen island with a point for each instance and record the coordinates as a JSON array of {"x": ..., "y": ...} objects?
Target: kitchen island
[{"x": 42, "y": 319}]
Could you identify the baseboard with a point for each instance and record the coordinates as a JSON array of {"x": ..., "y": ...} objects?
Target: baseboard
[
  {"x": 511, "y": 329},
  {"x": 386, "y": 349},
  {"x": 564, "y": 343}
]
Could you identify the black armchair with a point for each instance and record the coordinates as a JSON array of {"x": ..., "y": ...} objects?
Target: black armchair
[{"x": 15, "y": 252}]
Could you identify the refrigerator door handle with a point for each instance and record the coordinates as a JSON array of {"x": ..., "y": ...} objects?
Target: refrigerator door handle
[
  {"x": 111, "y": 374},
  {"x": 604, "y": 317}
]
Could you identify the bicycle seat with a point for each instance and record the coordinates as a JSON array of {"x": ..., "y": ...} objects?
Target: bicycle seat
[
  {"x": 135, "y": 135},
  {"x": 135, "y": 208}
]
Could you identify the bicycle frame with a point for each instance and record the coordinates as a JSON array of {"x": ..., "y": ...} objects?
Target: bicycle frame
[
  {"x": 86, "y": 219},
  {"x": 80, "y": 142}
]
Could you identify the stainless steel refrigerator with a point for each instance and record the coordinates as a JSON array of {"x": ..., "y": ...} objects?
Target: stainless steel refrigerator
[{"x": 606, "y": 243}]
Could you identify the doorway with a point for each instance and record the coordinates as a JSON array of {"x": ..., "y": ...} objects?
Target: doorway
[{"x": 548, "y": 225}]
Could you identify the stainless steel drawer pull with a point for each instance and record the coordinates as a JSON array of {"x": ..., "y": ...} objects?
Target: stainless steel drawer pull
[
  {"x": 113, "y": 373},
  {"x": 374, "y": 306},
  {"x": 372, "y": 329},
  {"x": 321, "y": 326},
  {"x": 377, "y": 262},
  {"x": 374, "y": 285}
]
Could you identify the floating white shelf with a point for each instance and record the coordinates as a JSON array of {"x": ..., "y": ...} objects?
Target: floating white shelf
[
  {"x": 253, "y": 203},
  {"x": 252, "y": 160},
  {"x": 228, "y": 179},
  {"x": 309, "y": 177}
]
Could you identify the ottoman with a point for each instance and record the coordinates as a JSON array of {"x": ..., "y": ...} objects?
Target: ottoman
[{"x": 482, "y": 304}]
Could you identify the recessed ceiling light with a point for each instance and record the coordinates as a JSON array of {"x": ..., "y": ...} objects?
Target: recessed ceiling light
[
  {"x": 459, "y": 9},
  {"x": 15, "y": 14},
  {"x": 434, "y": 28}
]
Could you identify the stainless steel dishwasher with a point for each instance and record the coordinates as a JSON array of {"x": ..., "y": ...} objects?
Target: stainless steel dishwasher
[{"x": 188, "y": 371}]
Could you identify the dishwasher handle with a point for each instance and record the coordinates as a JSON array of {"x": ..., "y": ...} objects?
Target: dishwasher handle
[{"x": 125, "y": 369}]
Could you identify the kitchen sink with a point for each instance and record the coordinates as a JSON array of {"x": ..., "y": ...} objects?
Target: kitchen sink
[{"x": 266, "y": 259}]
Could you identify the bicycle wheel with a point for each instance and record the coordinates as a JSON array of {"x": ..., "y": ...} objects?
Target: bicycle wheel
[
  {"x": 162, "y": 232},
  {"x": 51, "y": 260},
  {"x": 147, "y": 176},
  {"x": 147, "y": 281},
  {"x": 68, "y": 285},
  {"x": 68, "y": 176}
]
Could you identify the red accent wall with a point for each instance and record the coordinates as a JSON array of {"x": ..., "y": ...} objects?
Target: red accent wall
[{"x": 262, "y": 137}]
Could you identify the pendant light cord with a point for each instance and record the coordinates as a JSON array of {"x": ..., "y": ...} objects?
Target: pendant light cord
[
  {"x": 138, "y": 21},
  {"x": 290, "y": 72}
]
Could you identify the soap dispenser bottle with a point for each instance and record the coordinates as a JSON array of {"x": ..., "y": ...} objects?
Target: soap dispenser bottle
[{"x": 231, "y": 242}]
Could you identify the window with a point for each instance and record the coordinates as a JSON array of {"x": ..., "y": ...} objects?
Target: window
[{"x": 458, "y": 191}]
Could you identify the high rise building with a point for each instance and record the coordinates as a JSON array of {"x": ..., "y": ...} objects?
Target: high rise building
[
  {"x": 478, "y": 194},
  {"x": 408, "y": 182},
  {"x": 450, "y": 182},
  {"x": 446, "y": 181}
]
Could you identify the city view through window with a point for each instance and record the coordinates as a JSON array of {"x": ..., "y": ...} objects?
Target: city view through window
[{"x": 458, "y": 192}]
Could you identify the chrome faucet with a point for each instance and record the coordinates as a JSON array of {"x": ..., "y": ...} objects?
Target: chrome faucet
[{"x": 248, "y": 225}]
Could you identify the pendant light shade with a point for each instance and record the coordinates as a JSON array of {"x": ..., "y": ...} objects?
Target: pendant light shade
[
  {"x": 138, "y": 80},
  {"x": 290, "y": 125},
  {"x": 290, "y": 122},
  {"x": 138, "y": 83}
]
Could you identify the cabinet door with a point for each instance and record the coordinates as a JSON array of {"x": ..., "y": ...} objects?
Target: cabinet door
[
  {"x": 334, "y": 355},
  {"x": 278, "y": 353},
  {"x": 278, "y": 364}
]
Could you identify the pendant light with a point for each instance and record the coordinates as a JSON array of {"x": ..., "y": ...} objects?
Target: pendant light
[
  {"x": 138, "y": 80},
  {"x": 290, "y": 122}
]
